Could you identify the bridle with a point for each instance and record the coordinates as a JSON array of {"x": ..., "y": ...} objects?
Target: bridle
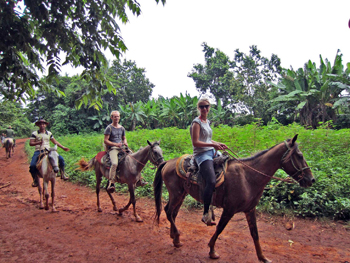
[
  {"x": 301, "y": 171},
  {"x": 153, "y": 159},
  {"x": 287, "y": 180}
]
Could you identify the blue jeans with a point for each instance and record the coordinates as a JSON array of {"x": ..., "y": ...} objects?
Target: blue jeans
[{"x": 32, "y": 167}]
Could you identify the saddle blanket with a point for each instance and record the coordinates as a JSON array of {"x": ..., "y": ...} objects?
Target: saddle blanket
[{"x": 186, "y": 163}]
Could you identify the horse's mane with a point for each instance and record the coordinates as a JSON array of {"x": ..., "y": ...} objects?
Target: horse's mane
[{"x": 257, "y": 155}]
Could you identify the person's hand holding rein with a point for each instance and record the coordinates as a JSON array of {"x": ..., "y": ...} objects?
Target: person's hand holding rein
[{"x": 219, "y": 146}]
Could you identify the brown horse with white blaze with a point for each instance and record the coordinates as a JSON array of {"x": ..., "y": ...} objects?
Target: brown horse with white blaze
[
  {"x": 245, "y": 180},
  {"x": 130, "y": 173}
]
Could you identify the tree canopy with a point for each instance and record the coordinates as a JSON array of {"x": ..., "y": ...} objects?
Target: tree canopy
[{"x": 36, "y": 33}]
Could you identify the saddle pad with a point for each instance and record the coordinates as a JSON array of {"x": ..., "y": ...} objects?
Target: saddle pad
[
  {"x": 100, "y": 155},
  {"x": 181, "y": 170}
]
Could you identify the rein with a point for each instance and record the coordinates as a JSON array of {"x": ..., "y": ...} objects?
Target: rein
[
  {"x": 143, "y": 164},
  {"x": 287, "y": 180}
]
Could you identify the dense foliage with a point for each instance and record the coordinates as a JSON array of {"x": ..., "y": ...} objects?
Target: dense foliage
[
  {"x": 326, "y": 151},
  {"x": 35, "y": 34}
]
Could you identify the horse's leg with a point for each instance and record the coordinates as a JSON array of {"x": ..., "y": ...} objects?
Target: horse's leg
[
  {"x": 171, "y": 210},
  {"x": 53, "y": 181},
  {"x": 98, "y": 184},
  {"x": 106, "y": 173},
  {"x": 251, "y": 218},
  {"x": 46, "y": 192},
  {"x": 40, "y": 189},
  {"x": 132, "y": 200},
  {"x": 225, "y": 218}
]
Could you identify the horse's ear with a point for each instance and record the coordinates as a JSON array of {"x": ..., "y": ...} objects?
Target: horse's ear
[
  {"x": 159, "y": 141},
  {"x": 294, "y": 139},
  {"x": 150, "y": 144}
]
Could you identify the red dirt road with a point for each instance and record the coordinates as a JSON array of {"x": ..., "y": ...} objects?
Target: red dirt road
[{"x": 78, "y": 233}]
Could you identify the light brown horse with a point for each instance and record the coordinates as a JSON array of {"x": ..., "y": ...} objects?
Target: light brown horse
[
  {"x": 245, "y": 180},
  {"x": 130, "y": 173},
  {"x": 48, "y": 169},
  {"x": 9, "y": 147}
]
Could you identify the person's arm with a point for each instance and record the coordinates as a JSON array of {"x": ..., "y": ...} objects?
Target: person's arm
[
  {"x": 109, "y": 143},
  {"x": 33, "y": 142},
  {"x": 197, "y": 143},
  {"x": 124, "y": 141},
  {"x": 53, "y": 140}
]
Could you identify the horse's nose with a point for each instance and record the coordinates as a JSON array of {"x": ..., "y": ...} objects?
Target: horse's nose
[
  {"x": 55, "y": 169},
  {"x": 313, "y": 180}
]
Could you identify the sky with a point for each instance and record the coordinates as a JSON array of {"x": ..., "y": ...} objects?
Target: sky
[{"x": 167, "y": 40}]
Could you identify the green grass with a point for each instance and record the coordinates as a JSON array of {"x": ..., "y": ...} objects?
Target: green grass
[{"x": 326, "y": 151}]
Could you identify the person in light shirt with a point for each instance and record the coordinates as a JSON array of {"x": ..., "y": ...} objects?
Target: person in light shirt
[{"x": 41, "y": 140}]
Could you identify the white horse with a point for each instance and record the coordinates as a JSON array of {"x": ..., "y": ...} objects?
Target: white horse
[{"x": 48, "y": 169}]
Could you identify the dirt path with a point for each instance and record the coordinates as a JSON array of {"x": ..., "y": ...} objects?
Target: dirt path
[{"x": 78, "y": 233}]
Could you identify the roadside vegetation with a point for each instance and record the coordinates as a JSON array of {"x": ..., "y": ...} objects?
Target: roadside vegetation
[{"x": 326, "y": 151}]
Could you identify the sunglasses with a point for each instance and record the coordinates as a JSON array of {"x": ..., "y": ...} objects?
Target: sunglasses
[{"x": 204, "y": 106}]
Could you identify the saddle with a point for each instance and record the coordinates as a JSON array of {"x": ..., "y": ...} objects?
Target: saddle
[
  {"x": 187, "y": 169},
  {"x": 104, "y": 159}
]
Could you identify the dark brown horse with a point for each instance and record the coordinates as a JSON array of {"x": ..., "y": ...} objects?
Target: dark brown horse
[
  {"x": 9, "y": 147},
  {"x": 245, "y": 180},
  {"x": 130, "y": 172}
]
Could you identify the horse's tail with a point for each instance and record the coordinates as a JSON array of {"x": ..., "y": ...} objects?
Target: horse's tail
[
  {"x": 84, "y": 165},
  {"x": 157, "y": 186}
]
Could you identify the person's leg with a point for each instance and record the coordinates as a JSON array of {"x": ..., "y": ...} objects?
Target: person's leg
[
  {"x": 62, "y": 164},
  {"x": 206, "y": 169},
  {"x": 113, "y": 155},
  {"x": 32, "y": 169}
]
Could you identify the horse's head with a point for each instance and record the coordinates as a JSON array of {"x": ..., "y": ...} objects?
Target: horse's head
[
  {"x": 156, "y": 153},
  {"x": 294, "y": 164},
  {"x": 53, "y": 158}
]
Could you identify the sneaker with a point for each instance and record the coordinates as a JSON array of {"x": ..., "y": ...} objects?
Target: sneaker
[
  {"x": 206, "y": 219},
  {"x": 110, "y": 188},
  {"x": 141, "y": 182},
  {"x": 64, "y": 177}
]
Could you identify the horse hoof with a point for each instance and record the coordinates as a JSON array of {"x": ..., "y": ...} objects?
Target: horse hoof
[
  {"x": 41, "y": 207},
  {"x": 46, "y": 208},
  {"x": 115, "y": 208},
  {"x": 178, "y": 244},
  {"x": 99, "y": 210},
  {"x": 265, "y": 260},
  {"x": 139, "y": 219},
  {"x": 214, "y": 255}
]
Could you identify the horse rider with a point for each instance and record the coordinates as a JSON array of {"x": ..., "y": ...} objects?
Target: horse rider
[
  {"x": 41, "y": 140},
  {"x": 10, "y": 133},
  {"x": 114, "y": 139},
  {"x": 204, "y": 151}
]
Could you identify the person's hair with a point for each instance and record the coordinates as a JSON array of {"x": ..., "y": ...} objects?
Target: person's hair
[
  {"x": 115, "y": 111},
  {"x": 201, "y": 102}
]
